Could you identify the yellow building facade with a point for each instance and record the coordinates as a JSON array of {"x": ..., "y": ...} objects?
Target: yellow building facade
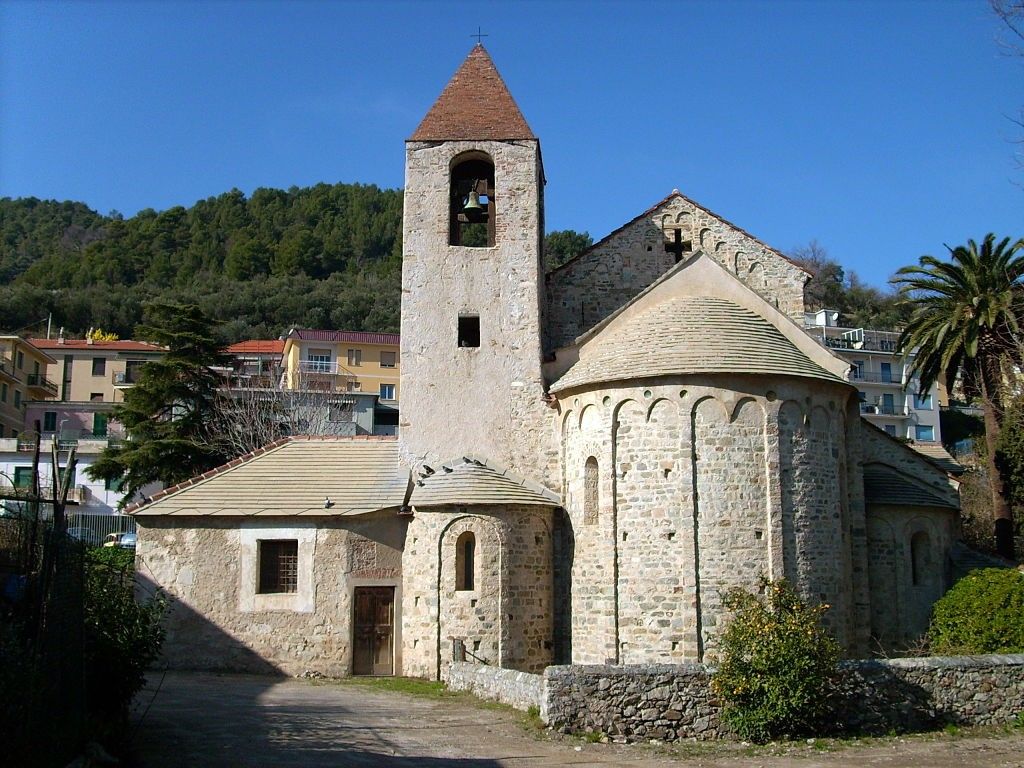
[
  {"x": 343, "y": 361},
  {"x": 23, "y": 379}
]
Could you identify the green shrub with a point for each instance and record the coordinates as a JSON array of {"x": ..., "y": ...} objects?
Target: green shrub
[
  {"x": 982, "y": 613},
  {"x": 775, "y": 664},
  {"x": 123, "y": 635}
]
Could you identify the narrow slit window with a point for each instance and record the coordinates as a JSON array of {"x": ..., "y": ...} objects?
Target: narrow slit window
[
  {"x": 465, "y": 562},
  {"x": 469, "y": 330},
  {"x": 279, "y": 566}
]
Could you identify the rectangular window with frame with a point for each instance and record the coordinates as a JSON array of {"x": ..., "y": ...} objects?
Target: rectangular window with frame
[
  {"x": 99, "y": 366},
  {"x": 922, "y": 432},
  {"x": 387, "y": 391},
  {"x": 318, "y": 361},
  {"x": 388, "y": 359},
  {"x": 21, "y": 360},
  {"x": 23, "y": 477},
  {"x": 278, "y": 566},
  {"x": 890, "y": 429},
  {"x": 50, "y": 421},
  {"x": 923, "y": 402},
  {"x": 96, "y": 397},
  {"x": 3, "y": 393},
  {"x": 17, "y": 398},
  {"x": 355, "y": 357}
]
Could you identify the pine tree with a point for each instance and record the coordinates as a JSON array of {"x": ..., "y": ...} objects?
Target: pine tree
[{"x": 165, "y": 414}]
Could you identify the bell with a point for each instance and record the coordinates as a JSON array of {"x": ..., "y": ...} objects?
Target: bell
[{"x": 472, "y": 206}]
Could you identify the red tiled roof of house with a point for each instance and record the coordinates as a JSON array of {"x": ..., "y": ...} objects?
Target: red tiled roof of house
[
  {"x": 356, "y": 337},
  {"x": 257, "y": 347},
  {"x": 125, "y": 345},
  {"x": 476, "y": 104}
]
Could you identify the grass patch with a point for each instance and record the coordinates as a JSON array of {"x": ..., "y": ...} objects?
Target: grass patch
[{"x": 414, "y": 686}]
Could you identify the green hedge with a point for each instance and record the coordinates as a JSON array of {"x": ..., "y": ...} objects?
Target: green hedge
[{"x": 982, "y": 613}]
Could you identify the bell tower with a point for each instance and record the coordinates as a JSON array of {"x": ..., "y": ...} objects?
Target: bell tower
[{"x": 471, "y": 379}]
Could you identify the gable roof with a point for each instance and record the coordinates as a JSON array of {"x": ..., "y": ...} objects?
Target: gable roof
[
  {"x": 356, "y": 337},
  {"x": 703, "y": 321},
  {"x": 293, "y": 477},
  {"x": 125, "y": 345},
  {"x": 256, "y": 347},
  {"x": 885, "y": 485},
  {"x": 472, "y": 480},
  {"x": 476, "y": 104},
  {"x": 940, "y": 457},
  {"x": 651, "y": 211}
]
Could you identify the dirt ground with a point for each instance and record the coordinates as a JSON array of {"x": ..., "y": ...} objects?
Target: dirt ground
[{"x": 191, "y": 719}]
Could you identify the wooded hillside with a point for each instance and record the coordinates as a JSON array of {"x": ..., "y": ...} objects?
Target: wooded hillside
[{"x": 327, "y": 256}]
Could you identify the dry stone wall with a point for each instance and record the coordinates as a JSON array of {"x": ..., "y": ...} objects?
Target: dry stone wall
[
  {"x": 585, "y": 291},
  {"x": 673, "y": 702},
  {"x": 521, "y": 690}
]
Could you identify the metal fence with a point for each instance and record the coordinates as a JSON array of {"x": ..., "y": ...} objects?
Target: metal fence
[
  {"x": 94, "y": 529},
  {"x": 42, "y": 654}
]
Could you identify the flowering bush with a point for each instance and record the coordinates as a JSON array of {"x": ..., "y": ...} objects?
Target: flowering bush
[{"x": 775, "y": 664}]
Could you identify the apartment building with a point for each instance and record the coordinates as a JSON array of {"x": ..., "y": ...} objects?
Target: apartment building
[
  {"x": 89, "y": 377},
  {"x": 255, "y": 364},
  {"x": 360, "y": 363},
  {"x": 23, "y": 380},
  {"x": 890, "y": 398}
]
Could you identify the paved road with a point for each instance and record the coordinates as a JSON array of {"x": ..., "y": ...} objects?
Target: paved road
[{"x": 251, "y": 722}]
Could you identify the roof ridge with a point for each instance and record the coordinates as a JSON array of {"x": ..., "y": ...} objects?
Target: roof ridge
[{"x": 675, "y": 193}]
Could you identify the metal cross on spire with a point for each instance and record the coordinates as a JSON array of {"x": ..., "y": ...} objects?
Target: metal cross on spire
[{"x": 478, "y": 35}]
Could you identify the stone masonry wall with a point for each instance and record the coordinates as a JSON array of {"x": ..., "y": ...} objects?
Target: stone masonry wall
[
  {"x": 901, "y": 600},
  {"x": 691, "y": 502},
  {"x": 521, "y": 690},
  {"x": 217, "y": 622},
  {"x": 506, "y": 619},
  {"x": 588, "y": 289},
  {"x": 672, "y": 702},
  {"x": 485, "y": 400},
  {"x": 811, "y": 444}
]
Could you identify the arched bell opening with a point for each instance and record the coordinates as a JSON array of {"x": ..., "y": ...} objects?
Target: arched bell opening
[{"x": 472, "y": 210}]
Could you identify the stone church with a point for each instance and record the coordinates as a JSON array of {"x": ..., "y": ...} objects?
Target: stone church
[{"x": 587, "y": 459}]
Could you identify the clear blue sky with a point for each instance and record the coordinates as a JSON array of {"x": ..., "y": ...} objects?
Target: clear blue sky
[{"x": 879, "y": 128}]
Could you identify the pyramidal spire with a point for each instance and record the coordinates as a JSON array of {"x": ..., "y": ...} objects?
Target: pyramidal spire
[{"x": 475, "y": 105}]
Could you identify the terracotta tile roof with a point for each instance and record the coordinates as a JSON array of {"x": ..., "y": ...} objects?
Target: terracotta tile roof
[
  {"x": 472, "y": 480},
  {"x": 476, "y": 104},
  {"x": 257, "y": 346},
  {"x": 125, "y": 345},
  {"x": 356, "y": 337},
  {"x": 291, "y": 477}
]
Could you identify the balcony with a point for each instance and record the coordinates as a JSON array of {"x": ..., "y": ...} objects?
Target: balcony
[
  {"x": 876, "y": 377},
  {"x": 880, "y": 409},
  {"x": 322, "y": 376},
  {"x": 40, "y": 383},
  {"x": 7, "y": 369}
]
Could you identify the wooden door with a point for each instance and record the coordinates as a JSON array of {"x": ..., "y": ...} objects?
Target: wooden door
[{"x": 373, "y": 649}]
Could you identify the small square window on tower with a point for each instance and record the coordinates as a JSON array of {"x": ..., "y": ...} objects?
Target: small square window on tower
[{"x": 469, "y": 330}]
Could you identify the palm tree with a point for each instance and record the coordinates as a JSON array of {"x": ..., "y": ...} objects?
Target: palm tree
[{"x": 965, "y": 319}]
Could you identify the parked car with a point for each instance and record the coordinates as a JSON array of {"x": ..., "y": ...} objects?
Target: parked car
[
  {"x": 123, "y": 539},
  {"x": 85, "y": 535}
]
